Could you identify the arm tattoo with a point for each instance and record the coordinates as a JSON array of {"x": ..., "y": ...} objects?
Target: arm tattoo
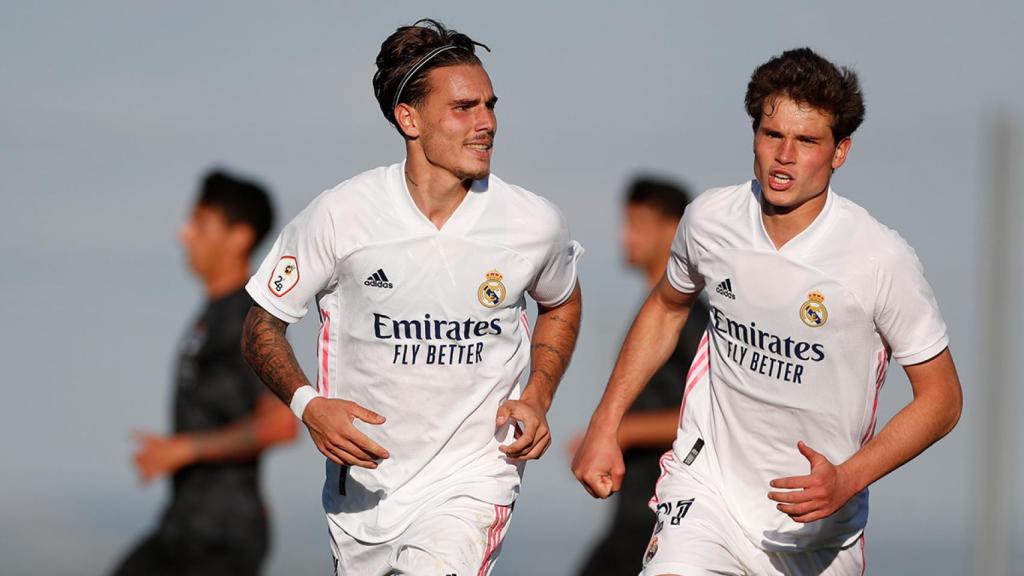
[
  {"x": 554, "y": 340},
  {"x": 547, "y": 376},
  {"x": 559, "y": 354},
  {"x": 268, "y": 352},
  {"x": 572, "y": 324}
]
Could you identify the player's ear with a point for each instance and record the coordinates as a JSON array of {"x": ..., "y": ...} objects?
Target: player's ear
[
  {"x": 242, "y": 239},
  {"x": 842, "y": 149},
  {"x": 408, "y": 120}
]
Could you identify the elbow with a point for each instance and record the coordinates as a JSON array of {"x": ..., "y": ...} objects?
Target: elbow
[
  {"x": 948, "y": 409},
  {"x": 289, "y": 430},
  {"x": 280, "y": 429},
  {"x": 285, "y": 427},
  {"x": 954, "y": 410},
  {"x": 275, "y": 423}
]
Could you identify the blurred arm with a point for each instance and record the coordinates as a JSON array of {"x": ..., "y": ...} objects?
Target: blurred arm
[
  {"x": 269, "y": 423},
  {"x": 648, "y": 429}
]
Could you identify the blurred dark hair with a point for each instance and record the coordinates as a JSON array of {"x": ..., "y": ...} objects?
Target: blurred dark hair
[
  {"x": 668, "y": 198},
  {"x": 241, "y": 201},
  {"x": 404, "y": 49},
  {"x": 806, "y": 78}
]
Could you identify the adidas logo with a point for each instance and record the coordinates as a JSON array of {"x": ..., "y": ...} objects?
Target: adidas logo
[
  {"x": 378, "y": 280},
  {"x": 725, "y": 289}
]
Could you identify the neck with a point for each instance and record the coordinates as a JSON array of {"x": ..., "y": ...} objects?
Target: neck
[
  {"x": 784, "y": 223},
  {"x": 435, "y": 191},
  {"x": 230, "y": 276},
  {"x": 656, "y": 268}
]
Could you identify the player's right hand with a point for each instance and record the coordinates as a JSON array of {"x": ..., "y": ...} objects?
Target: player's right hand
[
  {"x": 598, "y": 464},
  {"x": 330, "y": 425}
]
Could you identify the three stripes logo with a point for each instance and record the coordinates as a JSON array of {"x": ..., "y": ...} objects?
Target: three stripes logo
[
  {"x": 725, "y": 289},
  {"x": 378, "y": 280}
]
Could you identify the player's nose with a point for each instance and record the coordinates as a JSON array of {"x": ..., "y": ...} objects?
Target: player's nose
[
  {"x": 486, "y": 120},
  {"x": 185, "y": 232},
  {"x": 785, "y": 152}
]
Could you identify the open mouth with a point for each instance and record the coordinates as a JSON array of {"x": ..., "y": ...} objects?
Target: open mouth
[
  {"x": 779, "y": 180},
  {"x": 481, "y": 150}
]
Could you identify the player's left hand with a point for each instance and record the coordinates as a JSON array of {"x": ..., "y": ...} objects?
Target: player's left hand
[
  {"x": 533, "y": 437},
  {"x": 816, "y": 495},
  {"x": 161, "y": 455}
]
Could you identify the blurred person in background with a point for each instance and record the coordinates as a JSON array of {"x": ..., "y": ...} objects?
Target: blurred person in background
[
  {"x": 224, "y": 418},
  {"x": 652, "y": 211}
]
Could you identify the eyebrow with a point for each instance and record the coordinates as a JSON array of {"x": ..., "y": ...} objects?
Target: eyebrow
[
  {"x": 474, "y": 101},
  {"x": 802, "y": 137}
]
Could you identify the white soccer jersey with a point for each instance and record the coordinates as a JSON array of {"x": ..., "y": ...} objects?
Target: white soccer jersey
[
  {"x": 426, "y": 327},
  {"x": 797, "y": 347}
]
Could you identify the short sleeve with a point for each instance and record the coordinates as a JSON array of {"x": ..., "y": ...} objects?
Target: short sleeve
[
  {"x": 300, "y": 264},
  {"x": 682, "y": 263},
  {"x": 557, "y": 274},
  {"x": 906, "y": 313}
]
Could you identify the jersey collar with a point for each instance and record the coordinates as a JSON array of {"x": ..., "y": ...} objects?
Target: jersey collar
[
  {"x": 803, "y": 243},
  {"x": 461, "y": 220}
]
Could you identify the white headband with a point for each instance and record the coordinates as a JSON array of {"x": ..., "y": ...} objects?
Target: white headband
[{"x": 412, "y": 71}]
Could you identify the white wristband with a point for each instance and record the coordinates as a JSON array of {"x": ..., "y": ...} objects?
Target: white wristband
[{"x": 300, "y": 398}]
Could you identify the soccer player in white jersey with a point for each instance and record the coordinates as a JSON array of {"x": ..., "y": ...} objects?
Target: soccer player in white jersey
[
  {"x": 420, "y": 272},
  {"x": 809, "y": 299}
]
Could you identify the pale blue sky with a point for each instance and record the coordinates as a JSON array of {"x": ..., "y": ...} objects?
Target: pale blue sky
[{"x": 109, "y": 112}]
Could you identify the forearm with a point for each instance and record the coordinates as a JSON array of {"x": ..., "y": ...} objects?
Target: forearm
[
  {"x": 270, "y": 423},
  {"x": 916, "y": 427},
  {"x": 237, "y": 441},
  {"x": 649, "y": 343},
  {"x": 554, "y": 339},
  {"x": 649, "y": 429},
  {"x": 268, "y": 352},
  {"x": 932, "y": 414}
]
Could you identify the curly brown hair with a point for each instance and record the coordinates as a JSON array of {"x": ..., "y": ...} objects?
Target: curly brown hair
[
  {"x": 402, "y": 51},
  {"x": 805, "y": 77}
]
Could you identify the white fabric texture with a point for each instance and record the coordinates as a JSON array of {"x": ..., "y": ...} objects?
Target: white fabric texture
[
  {"x": 426, "y": 327},
  {"x": 798, "y": 342}
]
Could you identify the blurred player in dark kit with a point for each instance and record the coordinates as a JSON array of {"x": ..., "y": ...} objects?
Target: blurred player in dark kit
[
  {"x": 224, "y": 417},
  {"x": 652, "y": 212}
]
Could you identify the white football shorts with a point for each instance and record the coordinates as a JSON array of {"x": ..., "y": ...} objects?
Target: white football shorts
[
  {"x": 461, "y": 537},
  {"x": 696, "y": 536}
]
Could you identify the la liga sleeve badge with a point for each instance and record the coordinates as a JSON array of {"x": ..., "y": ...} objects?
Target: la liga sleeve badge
[{"x": 284, "y": 277}]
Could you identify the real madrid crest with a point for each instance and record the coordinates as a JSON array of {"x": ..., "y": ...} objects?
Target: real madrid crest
[
  {"x": 492, "y": 292},
  {"x": 813, "y": 311}
]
